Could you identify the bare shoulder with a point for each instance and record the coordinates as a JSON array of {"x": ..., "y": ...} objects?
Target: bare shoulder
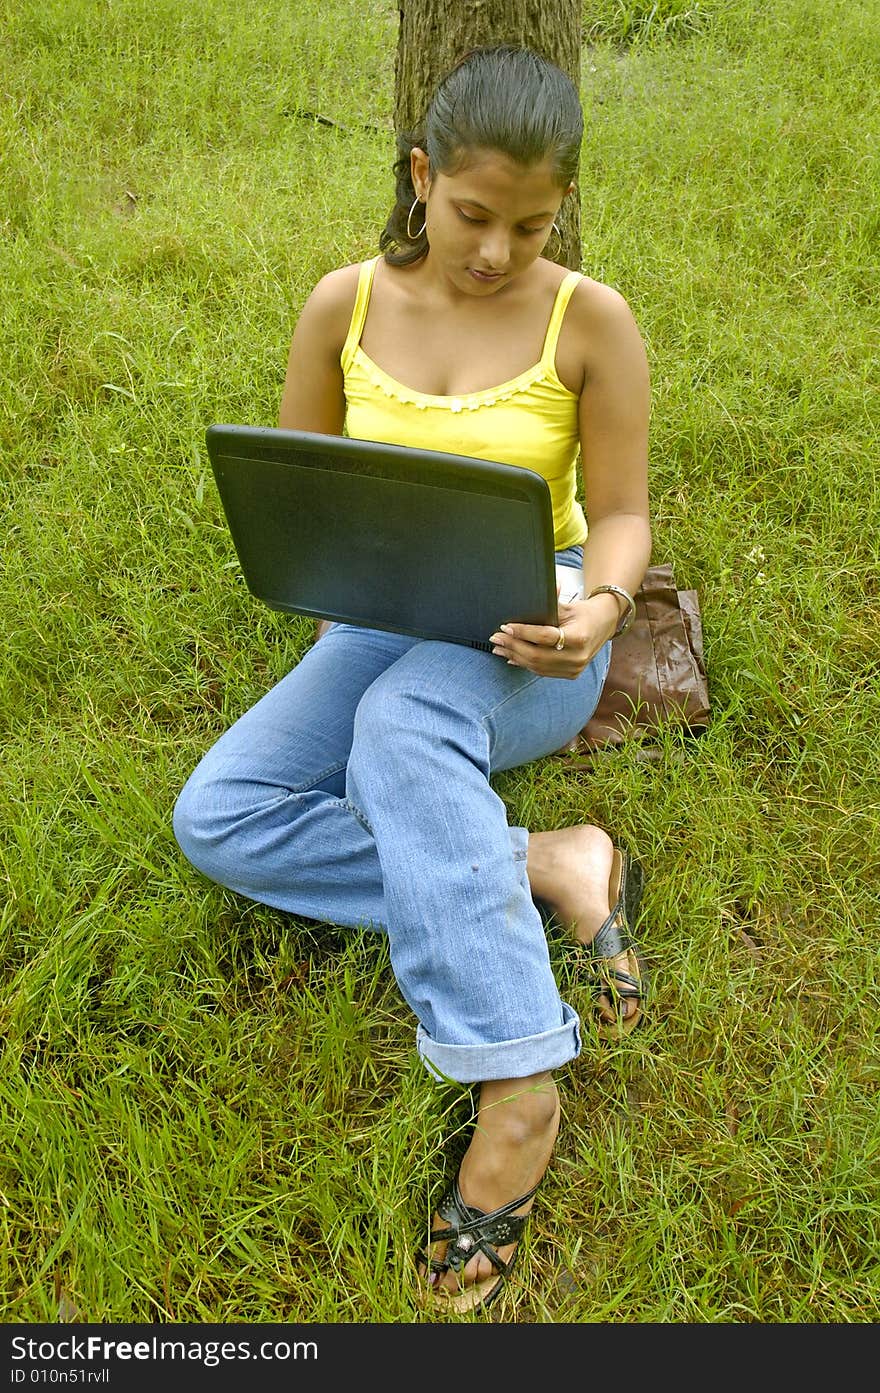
[
  {"x": 328, "y": 308},
  {"x": 600, "y": 337},
  {"x": 601, "y": 309},
  {"x": 313, "y": 398}
]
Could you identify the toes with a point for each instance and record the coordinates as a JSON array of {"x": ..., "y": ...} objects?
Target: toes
[
  {"x": 431, "y": 1264},
  {"x": 441, "y": 1278},
  {"x": 476, "y": 1271},
  {"x": 611, "y": 1015}
]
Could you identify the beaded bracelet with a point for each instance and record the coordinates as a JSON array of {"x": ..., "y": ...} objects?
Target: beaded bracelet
[{"x": 622, "y": 594}]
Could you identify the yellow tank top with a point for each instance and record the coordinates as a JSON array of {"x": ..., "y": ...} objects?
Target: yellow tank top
[{"x": 531, "y": 421}]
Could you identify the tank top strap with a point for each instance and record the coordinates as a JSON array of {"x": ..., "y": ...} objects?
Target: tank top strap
[
  {"x": 567, "y": 287},
  {"x": 359, "y": 312}
]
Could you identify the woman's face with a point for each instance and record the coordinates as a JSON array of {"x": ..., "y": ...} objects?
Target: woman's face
[{"x": 490, "y": 220}]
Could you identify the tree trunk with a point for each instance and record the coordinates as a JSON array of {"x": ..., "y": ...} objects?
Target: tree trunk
[{"x": 434, "y": 34}]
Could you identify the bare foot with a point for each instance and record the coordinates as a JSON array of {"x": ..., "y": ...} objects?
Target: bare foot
[
  {"x": 570, "y": 870},
  {"x": 512, "y": 1143}
]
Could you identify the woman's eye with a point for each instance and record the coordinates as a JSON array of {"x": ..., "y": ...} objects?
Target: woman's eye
[{"x": 523, "y": 231}]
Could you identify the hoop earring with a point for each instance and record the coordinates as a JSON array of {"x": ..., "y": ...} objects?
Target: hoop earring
[
  {"x": 558, "y": 248},
  {"x": 414, "y": 236}
]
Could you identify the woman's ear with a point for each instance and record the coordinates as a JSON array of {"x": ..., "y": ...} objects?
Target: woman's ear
[{"x": 420, "y": 169}]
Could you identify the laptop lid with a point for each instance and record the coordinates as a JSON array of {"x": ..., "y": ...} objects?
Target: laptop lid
[{"x": 419, "y": 542}]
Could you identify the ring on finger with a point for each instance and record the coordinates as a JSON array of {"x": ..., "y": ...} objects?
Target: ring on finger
[{"x": 560, "y": 642}]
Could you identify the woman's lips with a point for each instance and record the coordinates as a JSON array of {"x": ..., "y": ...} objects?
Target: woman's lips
[{"x": 485, "y": 275}]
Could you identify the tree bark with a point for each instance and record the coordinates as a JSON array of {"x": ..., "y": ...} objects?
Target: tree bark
[{"x": 434, "y": 34}]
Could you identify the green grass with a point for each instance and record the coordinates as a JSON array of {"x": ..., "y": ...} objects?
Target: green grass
[{"x": 210, "y": 1112}]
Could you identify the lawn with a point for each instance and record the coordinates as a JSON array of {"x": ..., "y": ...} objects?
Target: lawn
[{"x": 210, "y": 1112}]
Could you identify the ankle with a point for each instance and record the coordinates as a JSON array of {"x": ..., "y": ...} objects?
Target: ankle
[{"x": 518, "y": 1111}]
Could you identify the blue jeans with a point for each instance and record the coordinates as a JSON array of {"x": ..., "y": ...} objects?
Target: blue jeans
[{"x": 357, "y": 791}]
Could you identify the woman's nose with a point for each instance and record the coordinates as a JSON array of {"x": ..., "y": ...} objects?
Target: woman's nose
[{"x": 495, "y": 248}]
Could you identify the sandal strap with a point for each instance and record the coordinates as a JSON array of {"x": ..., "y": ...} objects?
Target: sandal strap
[
  {"x": 609, "y": 942},
  {"x": 605, "y": 977},
  {"x": 615, "y": 935},
  {"x": 621, "y": 994},
  {"x": 472, "y": 1230}
]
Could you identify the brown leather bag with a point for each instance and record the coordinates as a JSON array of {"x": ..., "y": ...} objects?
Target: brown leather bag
[{"x": 657, "y": 676}]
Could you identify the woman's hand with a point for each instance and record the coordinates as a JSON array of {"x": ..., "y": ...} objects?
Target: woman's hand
[{"x": 583, "y": 628}]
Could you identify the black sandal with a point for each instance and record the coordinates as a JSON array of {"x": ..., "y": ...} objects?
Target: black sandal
[
  {"x": 472, "y": 1231},
  {"x": 613, "y": 938}
]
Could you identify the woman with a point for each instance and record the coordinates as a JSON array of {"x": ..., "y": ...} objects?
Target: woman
[{"x": 358, "y": 791}]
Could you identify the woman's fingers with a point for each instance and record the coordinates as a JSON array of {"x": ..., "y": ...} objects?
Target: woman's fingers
[{"x": 541, "y": 648}]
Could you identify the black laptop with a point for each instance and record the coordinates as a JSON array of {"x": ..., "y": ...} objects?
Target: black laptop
[{"x": 420, "y": 542}]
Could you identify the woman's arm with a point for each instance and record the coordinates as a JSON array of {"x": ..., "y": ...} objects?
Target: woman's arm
[
  {"x": 613, "y": 422},
  {"x": 313, "y": 397},
  {"x": 614, "y": 418}
]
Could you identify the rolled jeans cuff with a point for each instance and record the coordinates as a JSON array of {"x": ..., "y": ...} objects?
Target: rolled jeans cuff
[{"x": 510, "y": 1059}]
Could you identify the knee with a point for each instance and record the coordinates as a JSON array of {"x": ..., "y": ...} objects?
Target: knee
[
  {"x": 391, "y": 715},
  {"x": 186, "y": 819},
  {"x": 198, "y": 825}
]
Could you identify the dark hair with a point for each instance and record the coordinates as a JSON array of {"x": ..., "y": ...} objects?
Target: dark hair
[{"x": 505, "y": 99}]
